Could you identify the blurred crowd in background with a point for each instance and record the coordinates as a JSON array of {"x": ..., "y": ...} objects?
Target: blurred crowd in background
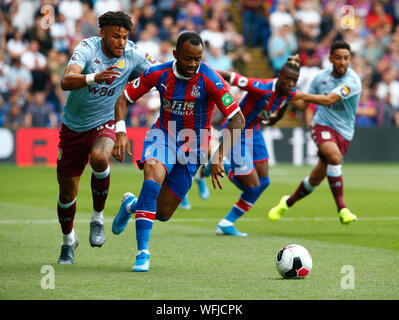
[{"x": 36, "y": 43}]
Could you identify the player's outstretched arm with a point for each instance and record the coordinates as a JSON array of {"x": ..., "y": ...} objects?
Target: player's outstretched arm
[
  {"x": 300, "y": 104},
  {"x": 275, "y": 117},
  {"x": 230, "y": 136},
  {"x": 226, "y": 75},
  {"x": 73, "y": 79},
  {"x": 122, "y": 143},
  {"x": 322, "y": 99}
]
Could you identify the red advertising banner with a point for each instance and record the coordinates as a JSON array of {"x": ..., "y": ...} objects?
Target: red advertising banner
[
  {"x": 40, "y": 145},
  {"x": 136, "y": 137},
  {"x": 36, "y": 145},
  {"x": 27, "y": 147}
]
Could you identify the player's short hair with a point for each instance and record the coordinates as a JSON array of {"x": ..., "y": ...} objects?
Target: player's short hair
[
  {"x": 339, "y": 44},
  {"x": 193, "y": 37},
  {"x": 293, "y": 63},
  {"x": 115, "y": 18}
]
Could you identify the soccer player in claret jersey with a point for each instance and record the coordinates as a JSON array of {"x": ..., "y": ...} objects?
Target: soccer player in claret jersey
[
  {"x": 96, "y": 75},
  {"x": 189, "y": 90},
  {"x": 266, "y": 100},
  {"x": 337, "y": 92}
]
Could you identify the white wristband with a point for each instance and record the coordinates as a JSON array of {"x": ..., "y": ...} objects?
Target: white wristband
[
  {"x": 90, "y": 78},
  {"x": 120, "y": 126}
]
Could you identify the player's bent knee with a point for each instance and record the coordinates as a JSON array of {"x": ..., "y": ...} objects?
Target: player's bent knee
[
  {"x": 67, "y": 197},
  {"x": 154, "y": 170},
  {"x": 99, "y": 160},
  {"x": 334, "y": 159}
]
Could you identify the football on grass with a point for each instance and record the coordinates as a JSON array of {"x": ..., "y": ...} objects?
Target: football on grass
[{"x": 294, "y": 262}]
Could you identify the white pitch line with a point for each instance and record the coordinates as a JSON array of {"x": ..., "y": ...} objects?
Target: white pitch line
[{"x": 177, "y": 220}]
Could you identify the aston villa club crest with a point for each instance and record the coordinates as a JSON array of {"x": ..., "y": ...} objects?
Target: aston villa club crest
[
  {"x": 196, "y": 91},
  {"x": 345, "y": 91}
]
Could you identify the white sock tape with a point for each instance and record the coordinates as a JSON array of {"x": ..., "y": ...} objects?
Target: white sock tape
[
  {"x": 307, "y": 185},
  {"x": 65, "y": 205},
  {"x": 334, "y": 170},
  {"x": 102, "y": 175}
]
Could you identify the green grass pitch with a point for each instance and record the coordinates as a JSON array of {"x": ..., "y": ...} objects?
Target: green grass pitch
[{"x": 188, "y": 260}]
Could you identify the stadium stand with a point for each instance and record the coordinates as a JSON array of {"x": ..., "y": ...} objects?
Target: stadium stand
[{"x": 248, "y": 36}]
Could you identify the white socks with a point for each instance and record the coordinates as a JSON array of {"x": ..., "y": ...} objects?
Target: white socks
[
  {"x": 69, "y": 239},
  {"x": 97, "y": 216}
]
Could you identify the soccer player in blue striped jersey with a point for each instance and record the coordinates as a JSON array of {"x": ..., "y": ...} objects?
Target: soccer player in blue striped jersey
[
  {"x": 247, "y": 165},
  {"x": 95, "y": 76},
  {"x": 174, "y": 146},
  {"x": 337, "y": 92}
]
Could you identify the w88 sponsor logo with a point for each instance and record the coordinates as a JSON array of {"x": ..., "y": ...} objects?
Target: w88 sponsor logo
[{"x": 101, "y": 91}]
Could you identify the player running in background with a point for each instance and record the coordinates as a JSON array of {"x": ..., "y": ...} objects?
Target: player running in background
[
  {"x": 338, "y": 93},
  {"x": 203, "y": 191},
  {"x": 96, "y": 75},
  {"x": 189, "y": 90},
  {"x": 266, "y": 99}
]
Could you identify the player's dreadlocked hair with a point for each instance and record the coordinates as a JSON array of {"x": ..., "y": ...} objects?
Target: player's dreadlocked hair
[
  {"x": 193, "y": 37},
  {"x": 293, "y": 63},
  {"x": 115, "y": 18}
]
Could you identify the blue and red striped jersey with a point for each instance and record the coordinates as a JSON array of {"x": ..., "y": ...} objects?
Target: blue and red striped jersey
[
  {"x": 189, "y": 102},
  {"x": 261, "y": 99}
]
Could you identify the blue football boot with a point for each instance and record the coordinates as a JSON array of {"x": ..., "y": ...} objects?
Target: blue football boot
[
  {"x": 122, "y": 218},
  {"x": 229, "y": 231},
  {"x": 142, "y": 262}
]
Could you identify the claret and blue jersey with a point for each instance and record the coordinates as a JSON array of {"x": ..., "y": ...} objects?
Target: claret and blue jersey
[
  {"x": 94, "y": 105},
  {"x": 341, "y": 115}
]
